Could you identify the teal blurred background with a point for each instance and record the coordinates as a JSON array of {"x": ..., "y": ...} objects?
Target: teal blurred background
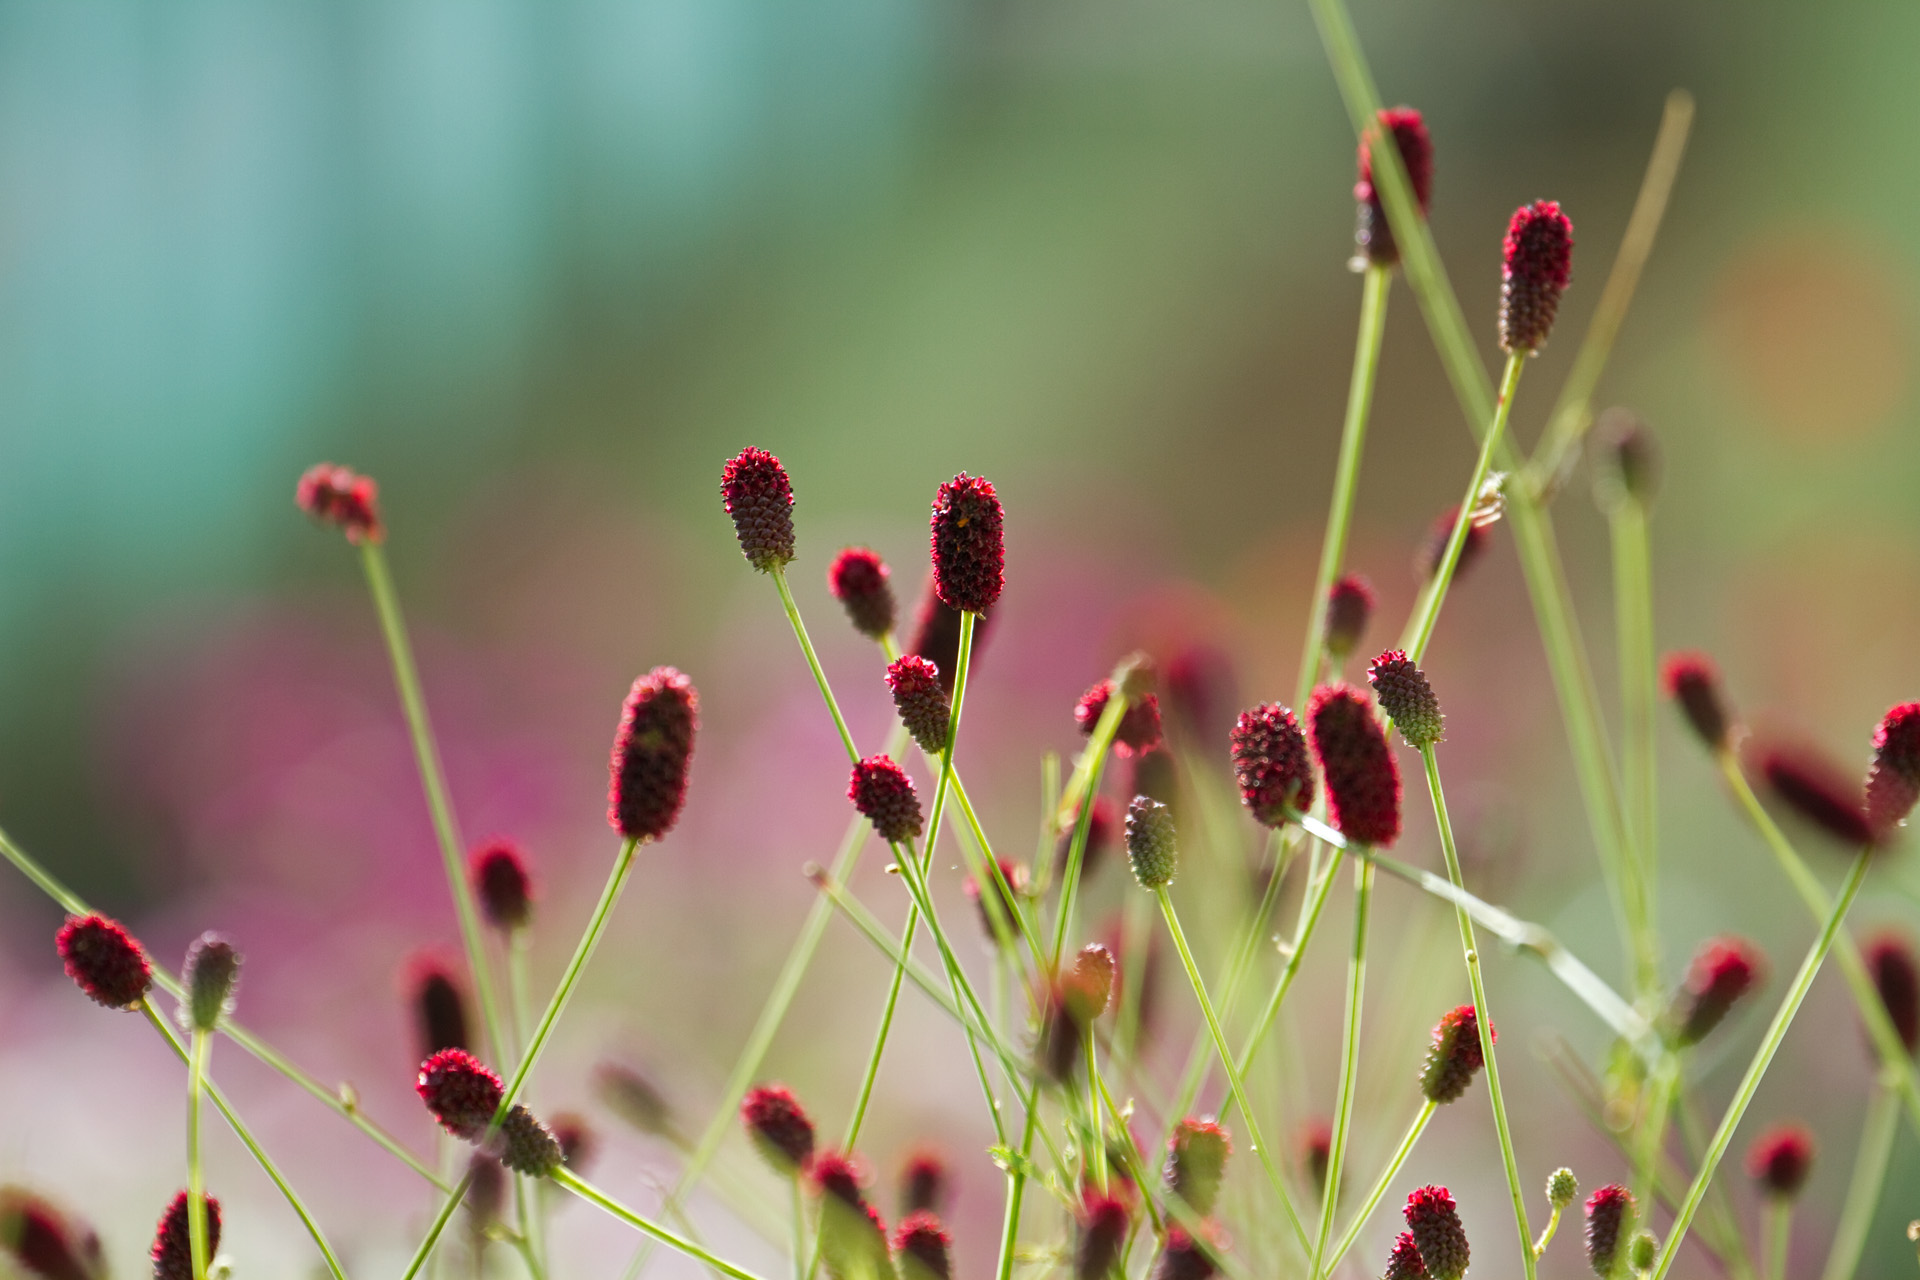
[{"x": 542, "y": 268}]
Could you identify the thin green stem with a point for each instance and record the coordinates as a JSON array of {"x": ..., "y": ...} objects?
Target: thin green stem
[
  {"x": 1547, "y": 1234},
  {"x": 1762, "y": 1058},
  {"x": 1311, "y": 907},
  {"x": 869, "y": 927},
  {"x": 1017, "y": 1186},
  {"x": 1349, "y": 1061},
  {"x": 1778, "y": 1215},
  {"x": 799, "y": 1230},
  {"x": 1863, "y": 1191},
  {"x": 1096, "y": 1133},
  {"x": 593, "y": 1195},
  {"x": 439, "y": 1225},
  {"x": 1380, "y": 1185},
  {"x": 779, "y": 576},
  {"x": 1377, "y": 283},
  {"x": 196, "y": 1174},
  {"x": 1085, "y": 787},
  {"x": 872, "y": 1072},
  {"x": 529, "y": 1208},
  {"x": 1633, "y": 618},
  {"x": 1649, "y": 1139}
]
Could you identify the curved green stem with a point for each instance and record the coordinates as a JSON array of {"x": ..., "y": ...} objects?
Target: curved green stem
[
  {"x": 1863, "y": 1191},
  {"x": 779, "y": 576},
  {"x": 1017, "y": 1186},
  {"x": 529, "y": 1209},
  {"x": 439, "y": 1224},
  {"x": 593, "y": 1195},
  {"x": 1349, "y": 1061},
  {"x": 196, "y": 1175},
  {"x": 1380, "y": 1185}
]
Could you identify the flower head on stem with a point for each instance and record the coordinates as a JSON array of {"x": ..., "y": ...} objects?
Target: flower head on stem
[
  {"x": 652, "y": 750},
  {"x": 781, "y": 1130},
  {"x": 211, "y": 972},
  {"x": 1819, "y": 791},
  {"x": 1536, "y": 266},
  {"x": 1435, "y": 1223},
  {"x": 1895, "y": 971},
  {"x": 923, "y": 1247},
  {"x": 1404, "y": 694},
  {"x": 862, "y": 583},
  {"x": 1101, "y": 1227},
  {"x": 757, "y": 494},
  {"x": 343, "y": 498},
  {"x": 922, "y": 700},
  {"x": 1693, "y": 682},
  {"x": 104, "y": 961},
  {"x": 438, "y": 1003},
  {"x": 1374, "y": 235},
  {"x": 1723, "y": 970},
  {"x": 884, "y": 795},
  {"x": 171, "y": 1254},
  {"x": 1271, "y": 765},
  {"x": 1197, "y": 1161},
  {"x": 1139, "y": 729},
  {"x": 502, "y": 883},
  {"x": 1780, "y": 1160},
  {"x": 1455, "y": 1056},
  {"x": 1893, "y": 782},
  {"x": 1610, "y": 1216},
  {"x": 1349, "y": 609},
  {"x": 968, "y": 541},
  {"x": 1363, "y": 783}
]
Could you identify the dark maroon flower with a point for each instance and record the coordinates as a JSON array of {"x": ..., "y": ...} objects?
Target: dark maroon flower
[
  {"x": 1015, "y": 877},
  {"x": 635, "y": 1098},
  {"x": 1454, "y": 1056},
  {"x": 860, "y": 581},
  {"x": 172, "y": 1251},
  {"x": 923, "y": 1247},
  {"x": 921, "y": 700},
  {"x": 1139, "y": 728},
  {"x": 460, "y": 1091},
  {"x": 1196, "y": 1162},
  {"x": 104, "y": 961},
  {"x": 1404, "y": 1262},
  {"x": 925, "y": 1182},
  {"x": 342, "y": 498},
  {"x": 1363, "y": 783},
  {"x": 1610, "y": 1214},
  {"x": 46, "y": 1242},
  {"x": 1270, "y": 764},
  {"x": 1781, "y": 1158},
  {"x": 1534, "y": 272},
  {"x": 1693, "y": 682},
  {"x": 1896, "y": 976},
  {"x": 1811, "y": 785},
  {"x": 1437, "y": 1233},
  {"x": 884, "y": 794},
  {"x": 1723, "y": 970},
  {"x": 578, "y": 1142},
  {"x": 1089, "y": 984},
  {"x": 498, "y": 870},
  {"x": 1349, "y": 608},
  {"x": 651, "y": 752},
  {"x": 759, "y": 497},
  {"x": 936, "y": 636},
  {"x": 527, "y": 1146},
  {"x": 836, "y": 1174},
  {"x": 1057, "y": 1047},
  {"x": 211, "y": 971},
  {"x": 780, "y": 1129},
  {"x": 1182, "y": 1258},
  {"x": 1427, "y": 563},
  {"x": 969, "y": 551},
  {"x": 853, "y": 1240},
  {"x": 1893, "y": 783},
  {"x": 1403, "y": 691},
  {"x": 1316, "y": 1151},
  {"x": 438, "y": 1003},
  {"x": 1103, "y": 1223},
  {"x": 1374, "y": 237},
  {"x": 1152, "y": 843},
  {"x": 1100, "y": 827}
]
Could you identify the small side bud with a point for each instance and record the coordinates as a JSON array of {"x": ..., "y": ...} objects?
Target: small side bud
[
  {"x": 1404, "y": 1262},
  {"x": 1349, "y": 609},
  {"x": 1693, "y": 682},
  {"x": 1152, "y": 845},
  {"x": 861, "y": 582},
  {"x": 1316, "y": 1153},
  {"x": 926, "y": 1183},
  {"x": 1437, "y": 1232},
  {"x": 756, "y": 492},
  {"x": 923, "y": 1248},
  {"x": 1089, "y": 984},
  {"x": 1780, "y": 1160},
  {"x": 1197, "y": 1162},
  {"x": 1403, "y": 691},
  {"x": 1271, "y": 765},
  {"x": 1642, "y": 1252},
  {"x": 502, "y": 883},
  {"x": 652, "y": 750},
  {"x": 172, "y": 1251},
  {"x": 1610, "y": 1216},
  {"x": 104, "y": 961},
  {"x": 343, "y": 498},
  {"x": 884, "y": 795},
  {"x": 968, "y": 541},
  {"x": 781, "y": 1131},
  {"x": 527, "y": 1146},
  {"x": 211, "y": 972},
  {"x": 1536, "y": 266},
  {"x": 1723, "y": 970},
  {"x": 936, "y": 636},
  {"x": 922, "y": 701},
  {"x": 1139, "y": 728},
  {"x": 1363, "y": 783},
  {"x": 1182, "y": 1258},
  {"x": 1454, "y": 1057},
  {"x": 1562, "y": 1188}
]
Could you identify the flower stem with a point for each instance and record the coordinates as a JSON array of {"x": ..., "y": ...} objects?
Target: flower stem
[
  {"x": 799, "y": 1229},
  {"x": 1762, "y": 1058},
  {"x": 1547, "y": 1234},
  {"x": 1311, "y": 908},
  {"x": 1017, "y": 1185},
  {"x": 1863, "y": 1192},
  {"x": 529, "y": 1208},
  {"x": 872, "y": 1072},
  {"x": 196, "y": 1175},
  {"x": 1633, "y": 617},
  {"x": 1777, "y": 1214},
  {"x": 1380, "y": 1185},
  {"x": 1084, "y": 785},
  {"x": 1349, "y": 1061},
  {"x": 779, "y": 576},
  {"x": 593, "y": 1195}
]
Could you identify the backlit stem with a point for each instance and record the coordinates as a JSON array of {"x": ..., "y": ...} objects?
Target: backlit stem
[
  {"x": 1863, "y": 1192},
  {"x": 1349, "y": 1061},
  {"x": 1380, "y": 1185},
  {"x": 196, "y": 1175}
]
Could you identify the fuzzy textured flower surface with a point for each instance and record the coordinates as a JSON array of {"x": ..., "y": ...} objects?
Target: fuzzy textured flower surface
[
  {"x": 884, "y": 795},
  {"x": 652, "y": 750},
  {"x": 461, "y": 1091},
  {"x": 1363, "y": 782},
  {"x": 1442, "y": 1240},
  {"x": 1101, "y": 1230},
  {"x": 1536, "y": 267},
  {"x": 1819, "y": 791},
  {"x": 1139, "y": 727},
  {"x": 1693, "y": 682},
  {"x": 1893, "y": 781},
  {"x": 779, "y": 1126},
  {"x": 1270, "y": 764},
  {"x": 1723, "y": 970},
  {"x": 343, "y": 498},
  {"x": 1610, "y": 1216},
  {"x": 922, "y": 701},
  {"x": 1374, "y": 236},
  {"x": 923, "y": 1247},
  {"x": 1349, "y": 609},
  {"x": 172, "y": 1252},
  {"x": 1780, "y": 1159},
  {"x": 1895, "y": 971},
  {"x": 438, "y": 1003},
  {"x": 1152, "y": 844},
  {"x": 46, "y": 1242},
  {"x": 527, "y": 1146},
  {"x": 1404, "y": 1262},
  {"x": 1454, "y": 1056},
  {"x": 502, "y": 883},
  {"x": 926, "y": 1183},
  {"x": 1403, "y": 691},
  {"x": 757, "y": 494},
  {"x": 969, "y": 544},
  {"x": 104, "y": 961},
  {"x": 862, "y": 583},
  {"x": 1182, "y": 1258}
]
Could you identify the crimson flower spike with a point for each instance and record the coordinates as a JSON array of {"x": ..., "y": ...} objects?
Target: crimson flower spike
[
  {"x": 1723, "y": 970},
  {"x": 343, "y": 498},
  {"x": 1404, "y": 694},
  {"x": 923, "y": 1247},
  {"x": 1437, "y": 1233},
  {"x": 104, "y": 961},
  {"x": 922, "y": 701},
  {"x": 884, "y": 795},
  {"x": 757, "y": 494},
  {"x": 1807, "y": 782},
  {"x": 1780, "y": 1160},
  {"x": 1270, "y": 764},
  {"x": 1693, "y": 682},
  {"x": 1536, "y": 265},
  {"x": 1610, "y": 1216},
  {"x": 463, "y": 1094},
  {"x": 172, "y": 1252},
  {"x": 1102, "y": 1223},
  {"x": 1139, "y": 729},
  {"x": 926, "y": 1183},
  {"x": 969, "y": 544},
  {"x": 781, "y": 1131},
  {"x": 502, "y": 883},
  {"x": 1374, "y": 236},
  {"x": 860, "y": 581},
  {"x": 1404, "y": 1262},
  {"x": 1183, "y": 1258},
  {"x": 1454, "y": 1056},
  {"x": 651, "y": 752},
  {"x": 44, "y": 1241},
  {"x": 1363, "y": 783},
  {"x": 936, "y": 635},
  {"x": 1349, "y": 608},
  {"x": 439, "y": 1005},
  {"x": 1893, "y": 783},
  {"x": 1896, "y": 976}
]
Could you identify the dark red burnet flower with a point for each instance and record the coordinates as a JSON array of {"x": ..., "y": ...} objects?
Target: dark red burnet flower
[
  {"x": 1426, "y": 562},
  {"x": 1101, "y": 1231},
  {"x": 1819, "y": 791},
  {"x": 1893, "y": 782},
  {"x": 1270, "y": 764},
  {"x": 172, "y": 1251},
  {"x": 936, "y": 635},
  {"x": 969, "y": 544},
  {"x": 45, "y": 1241},
  {"x": 1536, "y": 266},
  {"x": 343, "y": 498},
  {"x": 1316, "y": 1152},
  {"x": 1780, "y": 1159},
  {"x": 923, "y": 1247},
  {"x": 1196, "y": 1162},
  {"x": 104, "y": 961},
  {"x": 1437, "y": 1233},
  {"x": 1374, "y": 236},
  {"x": 853, "y": 1239},
  {"x": 463, "y": 1094},
  {"x": 926, "y": 1182},
  {"x": 1363, "y": 782},
  {"x": 757, "y": 494},
  {"x": 651, "y": 752},
  {"x": 1723, "y": 970},
  {"x": 884, "y": 795},
  {"x": 1404, "y": 1262},
  {"x": 1404, "y": 693},
  {"x": 837, "y": 1174},
  {"x": 1610, "y": 1215},
  {"x": 1454, "y": 1056},
  {"x": 502, "y": 883},
  {"x": 1089, "y": 984},
  {"x": 1056, "y": 1049},
  {"x": 1015, "y": 877},
  {"x": 1693, "y": 682},
  {"x": 1101, "y": 823},
  {"x": 922, "y": 701},
  {"x": 1349, "y": 609},
  {"x": 861, "y": 582},
  {"x": 1139, "y": 728},
  {"x": 1183, "y": 1257},
  {"x": 1895, "y": 972},
  {"x": 781, "y": 1131},
  {"x": 438, "y": 1002}
]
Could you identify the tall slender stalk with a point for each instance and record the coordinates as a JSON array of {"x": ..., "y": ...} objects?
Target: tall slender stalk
[
  {"x": 573, "y": 1182},
  {"x": 872, "y": 1072},
  {"x": 1349, "y": 1062},
  {"x": 196, "y": 1175},
  {"x": 1311, "y": 907},
  {"x": 1633, "y": 620},
  {"x": 1777, "y": 1224},
  {"x": 1863, "y": 1190},
  {"x": 1380, "y": 1185}
]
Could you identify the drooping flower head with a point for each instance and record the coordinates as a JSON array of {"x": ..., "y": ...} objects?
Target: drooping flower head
[
  {"x": 1374, "y": 236},
  {"x": 969, "y": 551},
  {"x": 1426, "y": 563},
  {"x": 211, "y": 972},
  {"x": 1349, "y": 608},
  {"x": 1610, "y": 1216},
  {"x": 1363, "y": 782},
  {"x": 861, "y": 582},
  {"x": 502, "y": 883},
  {"x": 45, "y": 1241},
  {"x": 1723, "y": 970},
  {"x": 104, "y": 961},
  {"x": 1819, "y": 791},
  {"x": 1454, "y": 1056},
  {"x": 757, "y": 494},
  {"x": 922, "y": 701},
  {"x": 781, "y": 1131},
  {"x": 1139, "y": 728},
  {"x": 438, "y": 1003},
  {"x": 1893, "y": 783},
  {"x": 1780, "y": 1159},
  {"x": 633, "y": 1096},
  {"x": 1403, "y": 691},
  {"x": 926, "y": 1183},
  {"x": 343, "y": 498},
  {"x": 1536, "y": 266},
  {"x": 923, "y": 1247},
  {"x": 1437, "y": 1233},
  {"x": 1014, "y": 877},
  {"x": 172, "y": 1251},
  {"x": 1896, "y": 976},
  {"x": 1182, "y": 1258},
  {"x": 461, "y": 1091},
  {"x": 1152, "y": 844},
  {"x": 1101, "y": 1230},
  {"x": 651, "y": 752},
  {"x": 1270, "y": 763},
  {"x": 1693, "y": 682},
  {"x": 1197, "y": 1161},
  {"x": 884, "y": 795}
]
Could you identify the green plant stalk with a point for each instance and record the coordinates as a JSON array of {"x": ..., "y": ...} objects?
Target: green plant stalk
[
  {"x": 1135, "y": 921},
  {"x": 1017, "y": 1185},
  {"x": 1547, "y": 1233},
  {"x": 196, "y": 1174},
  {"x": 1863, "y": 1191},
  {"x": 872, "y": 1072},
  {"x": 566, "y": 1178},
  {"x": 1639, "y": 690},
  {"x": 1650, "y": 1137},
  {"x": 779, "y": 576},
  {"x": 427, "y": 1242},
  {"x": 433, "y": 780},
  {"x": 1096, "y": 1132},
  {"x": 1311, "y": 908},
  {"x": 1483, "y": 1019},
  {"x": 1085, "y": 786},
  {"x": 800, "y": 1250},
  {"x": 1376, "y": 285},
  {"x": 1234, "y": 1081},
  {"x": 1380, "y": 1185},
  {"x": 1777, "y": 1216},
  {"x": 1762, "y": 1058},
  {"x": 1719, "y": 1205},
  {"x": 1349, "y": 1062},
  {"x": 528, "y": 1207}
]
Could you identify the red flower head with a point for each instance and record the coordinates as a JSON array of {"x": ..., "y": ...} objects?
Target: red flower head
[
  {"x": 835, "y": 1173},
  {"x": 759, "y": 497},
  {"x": 1100, "y": 827},
  {"x": 1723, "y": 970},
  {"x": 1349, "y": 608},
  {"x": 1196, "y": 1162},
  {"x": 1610, "y": 1214},
  {"x": 1893, "y": 783},
  {"x": 635, "y": 1098},
  {"x": 969, "y": 544},
  {"x": 461, "y": 1091},
  {"x": 104, "y": 961},
  {"x": 211, "y": 972},
  {"x": 925, "y": 1183},
  {"x": 860, "y": 581},
  {"x": 1692, "y": 681},
  {"x": 1427, "y": 562},
  {"x": 1403, "y": 691},
  {"x": 1896, "y": 976},
  {"x": 922, "y": 701},
  {"x": 1437, "y": 1233},
  {"x": 651, "y": 752},
  {"x": 779, "y": 1127},
  {"x": 1057, "y": 1048},
  {"x": 853, "y": 1240},
  {"x": 936, "y": 635},
  {"x": 1454, "y": 1056},
  {"x": 1363, "y": 783},
  {"x": 1016, "y": 877},
  {"x": 1811, "y": 785},
  {"x": 578, "y": 1142},
  {"x": 343, "y": 498},
  {"x": 1374, "y": 236},
  {"x": 884, "y": 794},
  {"x": 1404, "y": 1262},
  {"x": 46, "y": 1242},
  {"x": 1780, "y": 1159},
  {"x": 1316, "y": 1152},
  {"x": 1139, "y": 724},
  {"x": 438, "y": 1003},
  {"x": 172, "y": 1251},
  {"x": 1182, "y": 1258},
  {"x": 1534, "y": 272},
  {"x": 1270, "y": 763},
  {"x": 498, "y": 870},
  {"x": 923, "y": 1247},
  {"x": 1102, "y": 1224}
]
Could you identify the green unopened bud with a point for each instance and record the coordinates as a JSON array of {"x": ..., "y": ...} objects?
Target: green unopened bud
[
  {"x": 211, "y": 971},
  {"x": 1562, "y": 1188},
  {"x": 1151, "y": 843},
  {"x": 1641, "y": 1253}
]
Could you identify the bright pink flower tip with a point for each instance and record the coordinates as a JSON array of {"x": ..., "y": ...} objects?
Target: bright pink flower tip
[
  {"x": 1610, "y": 1212},
  {"x": 1349, "y": 608},
  {"x": 1410, "y": 138},
  {"x": 652, "y": 750},
  {"x": 1691, "y": 680},
  {"x": 1811, "y": 785},
  {"x": 969, "y": 544},
  {"x": 921, "y": 699},
  {"x": 1363, "y": 782},
  {"x": 1437, "y": 1232},
  {"x": 1781, "y": 1158},
  {"x": 1139, "y": 724},
  {"x": 1103, "y": 1223},
  {"x": 172, "y": 1251},
  {"x": 860, "y": 581},
  {"x": 884, "y": 795},
  {"x": 460, "y": 1091},
  {"x": 924, "y": 1247},
  {"x": 438, "y": 1003},
  {"x": 836, "y": 1174},
  {"x": 1404, "y": 1262},
  {"x": 104, "y": 961},
  {"x": 925, "y": 1182},
  {"x": 343, "y": 498},
  {"x": 501, "y": 881},
  {"x": 1896, "y": 976},
  {"x": 1535, "y": 270},
  {"x": 1270, "y": 763},
  {"x": 1455, "y": 1055},
  {"x": 1723, "y": 971},
  {"x": 779, "y": 1126},
  {"x": 757, "y": 494},
  {"x": 1893, "y": 783}
]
